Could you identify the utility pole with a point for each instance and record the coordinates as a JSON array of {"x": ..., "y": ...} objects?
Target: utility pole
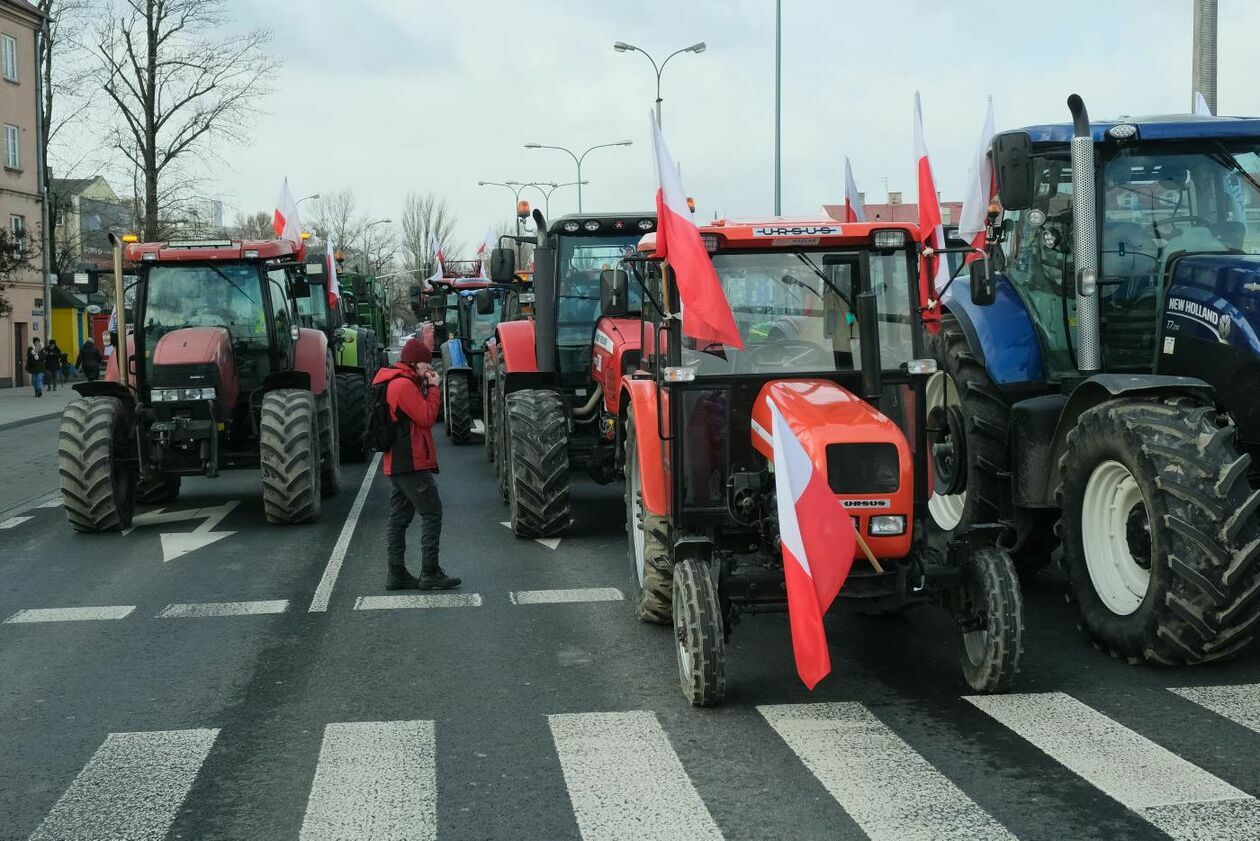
[
  {"x": 1203, "y": 70},
  {"x": 778, "y": 107}
]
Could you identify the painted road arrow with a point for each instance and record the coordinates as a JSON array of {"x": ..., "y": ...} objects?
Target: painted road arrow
[
  {"x": 549, "y": 542},
  {"x": 177, "y": 544}
]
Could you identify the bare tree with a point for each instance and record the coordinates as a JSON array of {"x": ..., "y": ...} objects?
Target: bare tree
[
  {"x": 18, "y": 253},
  {"x": 255, "y": 225},
  {"x": 176, "y": 87},
  {"x": 336, "y": 213},
  {"x": 427, "y": 217}
]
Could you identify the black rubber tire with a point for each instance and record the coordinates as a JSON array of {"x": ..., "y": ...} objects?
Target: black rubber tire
[
  {"x": 158, "y": 488},
  {"x": 650, "y": 598},
  {"x": 1203, "y": 598},
  {"x": 289, "y": 456},
  {"x": 352, "y": 415},
  {"x": 98, "y": 493},
  {"x": 991, "y": 587},
  {"x": 490, "y": 410},
  {"x": 459, "y": 419},
  {"x": 329, "y": 444},
  {"x": 698, "y": 631},
  {"x": 538, "y": 464},
  {"x": 986, "y": 422},
  {"x": 503, "y": 447}
]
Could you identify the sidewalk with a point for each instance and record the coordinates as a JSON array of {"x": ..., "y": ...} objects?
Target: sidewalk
[{"x": 20, "y": 406}]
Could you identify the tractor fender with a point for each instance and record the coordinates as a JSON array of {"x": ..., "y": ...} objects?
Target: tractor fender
[
  {"x": 1000, "y": 335},
  {"x": 518, "y": 358},
  {"x": 111, "y": 362},
  {"x": 311, "y": 358},
  {"x": 615, "y": 346},
  {"x": 641, "y": 396},
  {"x": 105, "y": 388}
]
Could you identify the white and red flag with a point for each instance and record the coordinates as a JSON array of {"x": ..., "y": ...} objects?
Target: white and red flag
[
  {"x": 285, "y": 221},
  {"x": 484, "y": 250},
  {"x": 981, "y": 188},
  {"x": 817, "y": 539},
  {"x": 334, "y": 288},
  {"x": 934, "y": 270},
  {"x": 854, "y": 210},
  {"x": 706, "y": 314},
  {"x": 438, "y": 271}
]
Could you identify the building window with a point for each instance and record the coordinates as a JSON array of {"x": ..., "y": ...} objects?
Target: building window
[
  {"x": 12, "y": 159},
  {"x": 8, "y": 54},
  {"x": 17, "y": 229}
]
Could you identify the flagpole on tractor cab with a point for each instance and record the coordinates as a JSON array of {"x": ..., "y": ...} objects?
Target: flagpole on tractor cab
[{"x": 778, "y": 106}]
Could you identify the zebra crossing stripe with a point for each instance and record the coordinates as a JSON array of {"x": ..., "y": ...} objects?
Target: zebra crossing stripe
[
  {"x": 13, "y": 521},
  {"x": 889, "y": 790},
  {"x": 71, "y": 614},
  {"x": 625, "y": 781},
  {"x": 1240, "y": 704},
  {"x": 375, "y": 780},
  {"x": 205, "y": 610},
  {"x": 131, "y": 788},
  {"x": 1174, "y": 795},
  {"x": 585, "y": 594}
]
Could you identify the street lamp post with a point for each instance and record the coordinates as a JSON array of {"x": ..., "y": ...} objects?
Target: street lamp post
[
  {"x": 371, "y": 263},
  {"x": 623, "y": 47},
  {"x": 516, "y": 187},
  {"x": 306, "y": 198},
  {"x": 577, "y": 159},
  {"x": 547, "y": 193}
]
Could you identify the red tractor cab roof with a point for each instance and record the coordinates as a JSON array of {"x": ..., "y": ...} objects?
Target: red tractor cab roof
[
  {"x": 225, "y": 250},
  {"x": 724, "y": 234}
]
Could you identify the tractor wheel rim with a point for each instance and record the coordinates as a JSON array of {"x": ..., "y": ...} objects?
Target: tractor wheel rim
[
  {"x": 680, "y": 638},
  {"x": 1111, "y": 505},
  {"x": 636, "y": 522},
  {"x": 946, "y": 509},
  {"x": 976, "y": 643}
]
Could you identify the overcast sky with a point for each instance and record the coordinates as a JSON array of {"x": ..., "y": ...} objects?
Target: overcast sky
[{"x": 389, "y": 96}]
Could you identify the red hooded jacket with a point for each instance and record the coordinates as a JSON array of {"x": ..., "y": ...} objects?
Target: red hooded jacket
[{"x": 415, "y": 413}]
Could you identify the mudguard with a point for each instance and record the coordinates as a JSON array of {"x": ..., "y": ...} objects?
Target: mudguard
[
  {"x": 111, "y": 362},
  {"x": 310, "y": 356},
  {"x": 1001, "y": 335},
  {"x": 516, "y": 346},
  {"x": 641, "y": 396},
  {"x": 617, "y": 340}
]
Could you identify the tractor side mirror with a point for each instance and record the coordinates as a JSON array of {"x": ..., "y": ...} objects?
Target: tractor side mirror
[
  {"x": 415, "y": 297},
  {"x": 502, "y": 265},
  {"x": 485, "y": 302},
  {"x": 1012, "y": 164},
  {"x": 868, "y": 345},
  {"x": 614, "y": 292},
  {"x": 983, "y": 283},
  {"x": 300, "y": 288}
]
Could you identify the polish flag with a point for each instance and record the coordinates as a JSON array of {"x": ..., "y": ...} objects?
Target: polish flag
[
  {"x": 334, "y": 288},
  {"x": 817, "y": 538},
  {"x": 436, "y": 248},
  {"x": 854, "y": 211},
  {"x": 285, "y": 222},
  {"x": 483, "y": 251},
  {"x": 981, "y": 188},
  {"x": 706, "y": 314},
  {"x": 934, "y": 270}
]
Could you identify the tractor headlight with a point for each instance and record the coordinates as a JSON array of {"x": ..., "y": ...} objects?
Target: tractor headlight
[
  {"x": 172, "y": 395},
  {"x": 889, "y": 239},
  {"x": 887, "y": 525}
]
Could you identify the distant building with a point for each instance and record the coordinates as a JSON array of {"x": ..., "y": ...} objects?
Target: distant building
[
  {"x": 84, "y": 211},
  {"x": 894, "y": 210},
  {"x": 21, "y": 207}
]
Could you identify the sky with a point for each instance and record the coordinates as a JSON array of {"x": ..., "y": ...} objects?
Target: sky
[{"x": 388, "y": 96}]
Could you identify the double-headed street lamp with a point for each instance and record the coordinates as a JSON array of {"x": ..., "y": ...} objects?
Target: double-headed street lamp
[
  {"x": 552, "y": 188},
  {"x": 623, "y": 47},
  {"x": 577, "y": 159},
  {"x": 368, "y": 244},
  {"x": 516, "y": 187}
]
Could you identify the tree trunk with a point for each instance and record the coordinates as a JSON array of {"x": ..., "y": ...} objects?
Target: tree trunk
[{"x": 151, "y": 232}]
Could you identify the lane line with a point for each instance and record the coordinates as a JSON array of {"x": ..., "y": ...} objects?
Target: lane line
[
  {"x": 625, "y": 781},
  {"x": 418, "y": 601},
  {"x": 211, "y": 609},
  {"x": 1240, "y": 704},
  {"x": 375, "y": 780},
  {"x": 55, "y": 502},
  {"x": 132, "y": 787},
  {"x": 1175, "y": 795},
  {"x": 71, "y": 614},
  {"x": 588, "y": 594},
  {"x": 887, "y": 787},
  {"x": 323, "y": 593},
  {"x": 13, "y": 521}
]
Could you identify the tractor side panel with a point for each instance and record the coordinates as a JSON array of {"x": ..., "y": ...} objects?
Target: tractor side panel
[
  {"x": 311, "y": 357},
  {"x": 642, "y": 398},
  {"x": 616, "y": 341},
  {"x": 1001, "y": 334},
  {"x": 111, "y": 363},
  {"x": 516, "y": 346}
]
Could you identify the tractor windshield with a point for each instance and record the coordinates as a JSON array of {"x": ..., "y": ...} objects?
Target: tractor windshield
[
  {"x": 579, "y": 263},
  {"x": 313, "y": 309},
  {"x": 483, "y": 325},
  {"x": 796, "y": 312}
]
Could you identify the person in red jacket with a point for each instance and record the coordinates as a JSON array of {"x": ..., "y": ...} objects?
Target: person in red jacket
[{"x": 411, "y": 465}]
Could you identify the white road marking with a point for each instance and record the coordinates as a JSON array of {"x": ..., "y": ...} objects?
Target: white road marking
[
  {"x": 889, "y": 790},
  {"x": 132, "y": 787},
  {"x": 479, "y": 427},
  {"x": 1240, "y": 704},
  {"x": 588, "y": 594},
  {"x": 71, "y": 614},
  {"x": 625, "y": 781},
  {"x": 177, "y": 544},
  {"x": 323, "y": 592},
  {"x": 13, "y": 521},
  {"x": 417, "y": 601},
  {"x": 1178, "y": 797},
  {"x": 55, "y": 502},
  {"x": 210, "y": 609},
  {"x": 375, "y": 780},
  {"x": 549, "y": 542}
]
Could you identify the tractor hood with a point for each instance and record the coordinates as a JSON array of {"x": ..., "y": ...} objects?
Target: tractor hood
[{"x": 196, "y": 357}]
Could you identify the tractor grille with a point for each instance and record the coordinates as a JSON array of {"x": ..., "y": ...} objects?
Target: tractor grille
[
  {"x": 863, "y": 468},
  {"x": 188, "y": 375}
]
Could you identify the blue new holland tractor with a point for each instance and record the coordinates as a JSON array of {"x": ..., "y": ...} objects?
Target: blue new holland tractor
[{"x": 1100, "y": 373}]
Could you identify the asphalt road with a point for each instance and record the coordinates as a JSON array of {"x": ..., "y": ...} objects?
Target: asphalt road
[{"x": 127, "y": 712}]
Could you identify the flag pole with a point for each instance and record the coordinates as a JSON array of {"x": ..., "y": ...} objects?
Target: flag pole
[{"x": 778, "y": 107}]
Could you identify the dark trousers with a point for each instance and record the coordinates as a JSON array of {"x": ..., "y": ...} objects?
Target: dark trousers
[{"x": 412, "y": 493}]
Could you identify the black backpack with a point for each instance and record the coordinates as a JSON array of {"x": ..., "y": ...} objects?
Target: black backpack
[{"x": 381, "y": 428}]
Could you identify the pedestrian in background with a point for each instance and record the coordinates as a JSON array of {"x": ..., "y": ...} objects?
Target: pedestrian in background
[
  {"x": 36, "y": 366},
  {"x": 90, "y": 360},
  {"x": 52, "y": 364},
  {"x": 412, "y": 396}
]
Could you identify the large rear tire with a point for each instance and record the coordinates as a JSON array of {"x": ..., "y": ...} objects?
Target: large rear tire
[
  {"x": 352, "y": 415},
  {"x": 651, "y": 578},
  {"x": 538, "y": 464},
  {"x": 289, "y": 456},
  {"x": 699, "y": 640},
  {"x": 1160, "y": 534},
  {"x": 97, "y": 489},
  {"x": 459, "y": 419}
]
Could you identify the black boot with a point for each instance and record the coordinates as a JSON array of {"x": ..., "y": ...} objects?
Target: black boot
[
  {"x": 438, "y": 580},
  {"x": 399, "y": 579}
]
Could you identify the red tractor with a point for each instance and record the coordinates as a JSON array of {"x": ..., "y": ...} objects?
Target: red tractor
[
  {"x": 219, "y": 374},
  {"x": 830, "y": 320}
]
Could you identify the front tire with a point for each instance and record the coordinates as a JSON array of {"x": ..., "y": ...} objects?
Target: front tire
[
  {"x": 98, "y": 491},
  {"x": 651, "y": 582},
  {"x": 538, "y": 463},
  {"x": 459, "y": 419},
  {"x": 289, "y": 456},
  {"x": 491, "y": 410},
  {"x": 1160, "y": 538},
  {"x": 699, "y": 641},
  {"x": 990, "y": 654},
  {"x": 329, "y": 445}
]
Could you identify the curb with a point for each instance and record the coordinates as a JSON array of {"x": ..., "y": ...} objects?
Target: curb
[{"x": 27, "y": 421}]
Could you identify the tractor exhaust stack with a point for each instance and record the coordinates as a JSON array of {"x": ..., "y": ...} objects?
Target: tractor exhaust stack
[{"x": 1085, "y": 237}]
